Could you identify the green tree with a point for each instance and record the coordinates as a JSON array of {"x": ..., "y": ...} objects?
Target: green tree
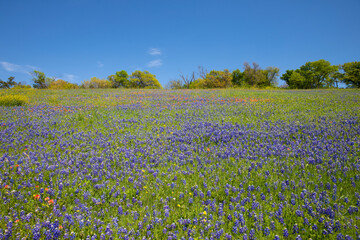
[
  {"x": 120, "y": 79},
  {"x": 254, "y": 76},
  {"x": 218, "y": 79},
  {"x": 238, "y": 78},
  {"x": 351, "y": 75},
  {"x": 40, "y": 80},
  {"x": 295, "y": 79},
  {"x": 22, "y": 86},
  {"x": 318, "y": 74},
  {"x": 271, "y": 74},
  {"x": 62, "y": 84},
  {"x": 298, "y": 81},
  {"x": 8, "y": 84},
  {"x": 198, "y": 84},
  {"x": 286, "y": 77},
  {"x": 139, "y": 79}
]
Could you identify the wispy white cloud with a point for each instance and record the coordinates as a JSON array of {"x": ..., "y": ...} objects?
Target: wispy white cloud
[
  {"x": 100, "y": 64},
  {"x": 69, "y": 77},
  {"x": 11, "y": 67},
  {"x": 154, "y": 51},
  {"x": 155, "y": 63}
]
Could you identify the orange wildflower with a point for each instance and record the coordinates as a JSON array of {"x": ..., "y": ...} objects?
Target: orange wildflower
[
  {"x": 7, "y": 186},
  {"x": 46, "y": 189},
  {"x": 37, "y": 196},
  {"x": 51, "y": 201},
  {"x": 17, "y": 220},
  {"x": 60, "y": 227},
  {"x": 37, "y": 186},
  {"x": 47, "y": 199}
]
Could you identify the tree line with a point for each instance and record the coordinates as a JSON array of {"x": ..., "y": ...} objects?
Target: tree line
[
  {"x": 121, "y": 79},
  {"x": 317, "y": 74}
]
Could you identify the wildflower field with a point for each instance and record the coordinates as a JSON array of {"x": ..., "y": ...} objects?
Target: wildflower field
[{"x": 160, "y": 164}]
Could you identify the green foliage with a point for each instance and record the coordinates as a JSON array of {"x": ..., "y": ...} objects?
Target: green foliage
[
  {"x": 298, "y": 81},
  {"x": 40, "y": 80},
  {"x": 251, "y": 77},
  {"x": 139, "y": 79},
  {"x": 254, "y": 76},
  {"x": 8, "y": 84},
  {"x": 13, "y": 100},
  {"x": 271, "y": 74},
  {"x": 198, "y": 84},
  {"x": 351, "y": 74},
  {"x": 238, "y": 78},
  {"x": 286, "y": 77},
  {"x": 218, "y": 79},
  {"x": 318, "y": 74},
  {"x": 120, "y": 79},
  {"x": 62, "y": 84},
  {"x": 22, "y": 86},
  {"x": 95, "y": 82}
]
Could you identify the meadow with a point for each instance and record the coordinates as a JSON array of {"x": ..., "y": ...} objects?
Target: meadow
[{"x": 185, "y": 164}]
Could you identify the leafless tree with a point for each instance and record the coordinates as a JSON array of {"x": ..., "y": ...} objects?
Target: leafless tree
[
  {"x": 187, "y": 80},
  {"x": 202, "y": 72}
]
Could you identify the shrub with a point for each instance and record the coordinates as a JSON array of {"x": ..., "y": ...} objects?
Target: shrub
[
  {"x": 61, "y": 84},
  {"x": 96, "y": 83},
  {"x": 13, "y": 100},
  {"x": 21, "y": 86}
]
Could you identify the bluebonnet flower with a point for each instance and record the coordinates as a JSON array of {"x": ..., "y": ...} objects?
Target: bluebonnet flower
[
  {"x": 295, "y": 229},
  {"x": 314, "y": 227},
  {"x": 266, "y": 231},
  {"x": 286, "y": 233},
  {"x": 252, "y": 234}
]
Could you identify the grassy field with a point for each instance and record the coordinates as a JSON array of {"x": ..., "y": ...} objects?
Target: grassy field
[{"x": 161, "y": 164}]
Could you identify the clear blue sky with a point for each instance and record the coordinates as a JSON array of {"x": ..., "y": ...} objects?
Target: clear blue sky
[{"x": 79, "y": 39}]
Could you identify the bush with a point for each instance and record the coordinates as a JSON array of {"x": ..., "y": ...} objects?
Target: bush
[
  {"x": 61, "y": 84},
  {"x": 20, "y": 86},
  {"x": 96, "y": 83},
  {"x": 13, "y": 100}
]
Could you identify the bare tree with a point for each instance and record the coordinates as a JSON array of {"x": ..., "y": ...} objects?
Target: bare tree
[
  {"x": 174, "y": 84},
  {"x": 202, "y": 72},
  {"x": 187, "y": 80}
]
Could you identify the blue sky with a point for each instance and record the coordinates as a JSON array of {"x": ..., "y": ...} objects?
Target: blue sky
[{"x": 79, "y": 39}]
